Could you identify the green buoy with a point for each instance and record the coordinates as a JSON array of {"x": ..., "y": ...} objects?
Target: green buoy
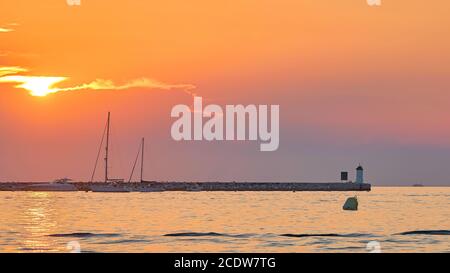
[{"x": 351, "y": 204}]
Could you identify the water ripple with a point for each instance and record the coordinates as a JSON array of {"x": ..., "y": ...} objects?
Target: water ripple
[
  {"x": 425, "y": 232},
  {"x": 327, "y": 235},
  {"x": 208, "y": 234},
  {"x": 84, "y": 235}
]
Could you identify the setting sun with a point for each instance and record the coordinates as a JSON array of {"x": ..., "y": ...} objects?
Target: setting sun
[{"x": 38, "y": 86}]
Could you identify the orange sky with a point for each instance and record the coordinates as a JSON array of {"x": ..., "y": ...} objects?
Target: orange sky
[{"x": 354, "y": 83}]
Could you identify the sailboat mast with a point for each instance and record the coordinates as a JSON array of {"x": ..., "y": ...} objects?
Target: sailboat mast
[
  {"x": 142, "y": 160},
  {"x": 107, "y": 147}
]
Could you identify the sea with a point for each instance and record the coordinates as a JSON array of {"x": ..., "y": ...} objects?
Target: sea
[{"x": 389, "y": 219}]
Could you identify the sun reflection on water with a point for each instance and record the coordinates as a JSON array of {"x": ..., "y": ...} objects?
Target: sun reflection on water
[{"x": 39, "y": 221}]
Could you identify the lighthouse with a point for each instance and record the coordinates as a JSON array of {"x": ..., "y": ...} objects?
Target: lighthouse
[{"x": 359, "y": 174}]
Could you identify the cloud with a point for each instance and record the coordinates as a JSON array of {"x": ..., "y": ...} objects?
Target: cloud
[
  {"x": 7, "y": 27},
  {"x": 101, "y": 84},
  {"x": 44, "y": 85},
  {"x": 7, "y": 70}
]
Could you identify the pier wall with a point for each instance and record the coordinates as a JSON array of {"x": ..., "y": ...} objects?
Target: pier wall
[
  {"x": 234, "y": 186},
  {"x": 184, "y": 186},
  {"x": 256, "y": 186}
]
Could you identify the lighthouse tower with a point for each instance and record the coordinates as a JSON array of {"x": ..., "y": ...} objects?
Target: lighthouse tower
[{"x": 359, "y": 174}]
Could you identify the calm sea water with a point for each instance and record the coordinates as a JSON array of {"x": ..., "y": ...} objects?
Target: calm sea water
[{"x": 226, "y": 221}]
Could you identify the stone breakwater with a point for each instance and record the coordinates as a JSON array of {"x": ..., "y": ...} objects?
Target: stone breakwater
[{"x": 183, "y": 186}]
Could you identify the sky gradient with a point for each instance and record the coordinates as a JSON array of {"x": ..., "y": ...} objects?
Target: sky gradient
[{"x": 355, "y": 84}]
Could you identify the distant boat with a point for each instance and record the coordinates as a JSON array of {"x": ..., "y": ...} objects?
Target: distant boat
[
  {"x": 52, "y": 186},
  {"x": 64, "y": 180},
  {"x": 418, "y": 185}
]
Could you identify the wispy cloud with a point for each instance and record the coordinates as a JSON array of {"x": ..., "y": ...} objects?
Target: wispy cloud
[
  {"x": 7, "y": 70},
  {"x": 102, "y": 84},
  {"x": 44, "y": 85},
  {"x": 2, "y": 29},
  {"x": 8, "y": 27}
]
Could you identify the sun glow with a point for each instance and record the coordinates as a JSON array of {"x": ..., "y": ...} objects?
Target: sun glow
[{"x": 38, "y": 86}]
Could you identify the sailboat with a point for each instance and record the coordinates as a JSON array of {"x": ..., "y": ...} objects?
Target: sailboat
[
  {"x": 141, "y": 153},
  {"x": 118, "y": 184},
  {"x": 143, "y": 185},
  {"x": 109, "y": 184}
]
